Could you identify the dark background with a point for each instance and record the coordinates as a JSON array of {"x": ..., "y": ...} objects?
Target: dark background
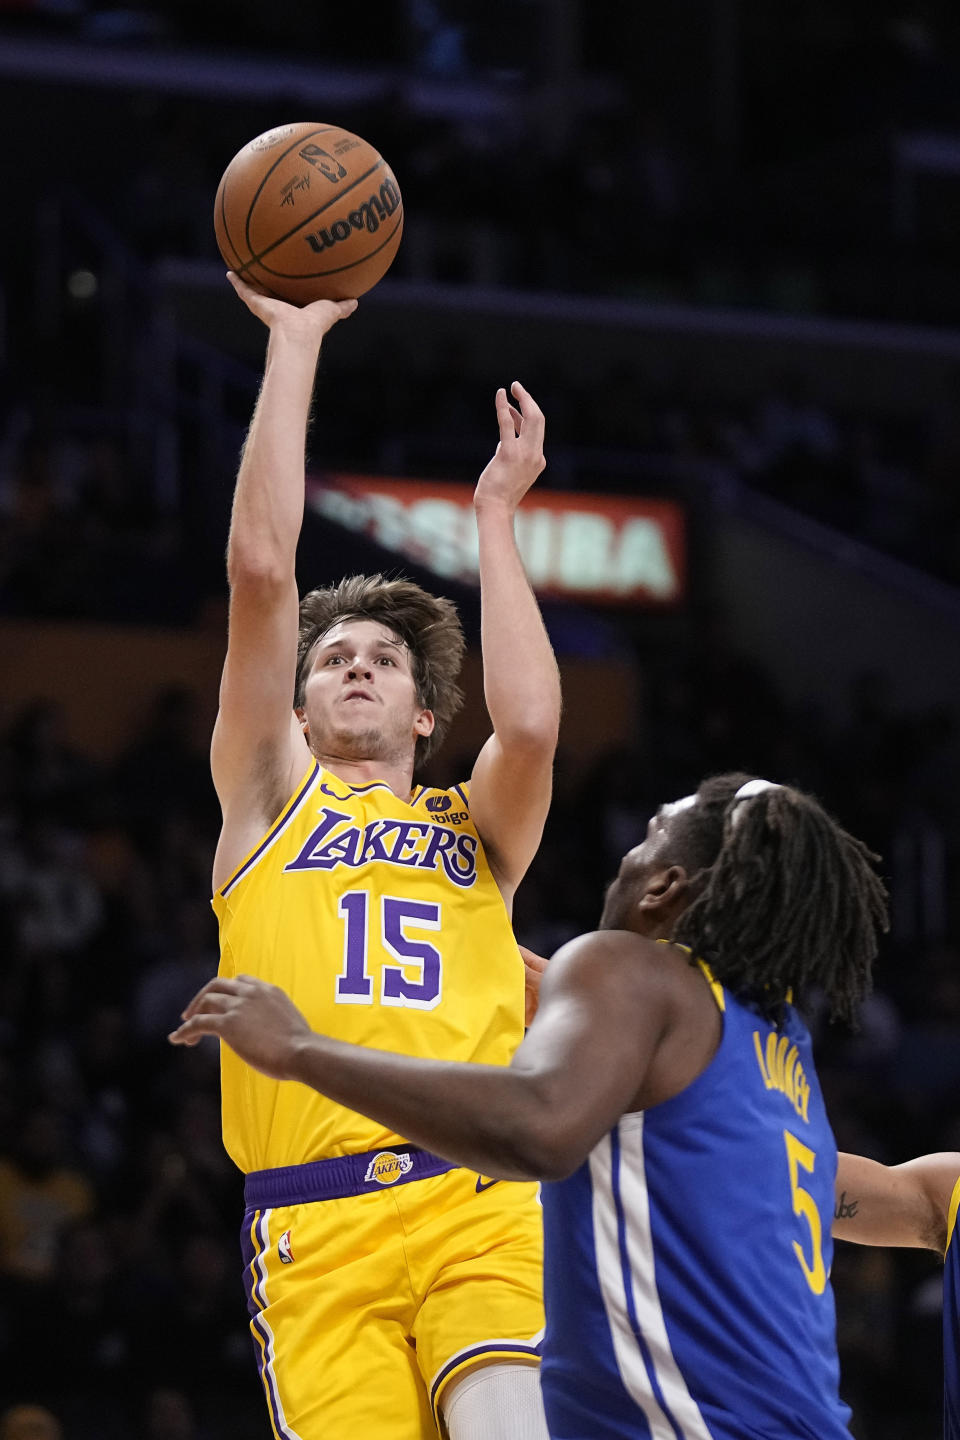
[{"x": 717, "y": 240}]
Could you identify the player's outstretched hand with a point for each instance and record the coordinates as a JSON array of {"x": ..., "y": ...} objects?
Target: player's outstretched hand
[
  {"x": 518, "y": 458},
  {"x": 311, "y": 321},
  {"x": 259, "y": 1021},
  {"x": 533, "y": 968}
]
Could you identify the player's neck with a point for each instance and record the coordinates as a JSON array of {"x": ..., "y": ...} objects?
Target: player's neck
[{"x": 397, "y": 774}]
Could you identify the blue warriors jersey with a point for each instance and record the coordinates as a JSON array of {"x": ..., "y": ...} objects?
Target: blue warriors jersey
[
  {"x": 687, "y": 1261},
  {"x": 382, "y": 920},
  {"x": 951, "y": 1324}
]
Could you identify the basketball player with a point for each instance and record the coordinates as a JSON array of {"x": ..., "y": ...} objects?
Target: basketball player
[
  {"x": 913, "y": 1205},
  {"x": 386, "y": 1287},
  {"x": 666, "y": 1091}
]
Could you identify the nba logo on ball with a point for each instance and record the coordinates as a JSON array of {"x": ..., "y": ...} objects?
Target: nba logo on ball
[
  {"x": 323, "y": 162},
  {"x": 386, "y": 1167},
  {"x": 284, "y": 1248}
]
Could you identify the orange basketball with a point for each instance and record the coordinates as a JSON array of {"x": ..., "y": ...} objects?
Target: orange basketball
[{"x": 308, "y": 212}]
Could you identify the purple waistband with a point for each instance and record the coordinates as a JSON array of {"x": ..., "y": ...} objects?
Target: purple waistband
[{"x": 338, "y": 1178}]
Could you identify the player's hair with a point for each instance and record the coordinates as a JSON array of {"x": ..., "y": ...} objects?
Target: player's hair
[
  {"x": 786, "y": 902},
  {"x": 428, "y": 625}
]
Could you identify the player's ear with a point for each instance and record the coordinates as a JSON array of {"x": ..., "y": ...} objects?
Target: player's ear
[
  {"x": 424, "y": 722},
  {"x": 666, "y": 892},
  {"x": 301, "y": 715}
]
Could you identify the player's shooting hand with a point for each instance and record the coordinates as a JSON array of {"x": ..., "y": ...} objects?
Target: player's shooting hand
[
  {"x": 533, "y": 968},
  {"x": 310, "y": 322},
  {"x": 259, "y": 1021},
  {"x": 518, "y": 459}
]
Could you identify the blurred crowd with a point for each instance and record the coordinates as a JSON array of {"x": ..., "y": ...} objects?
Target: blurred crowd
[
  {"x": 82, "y": 534},
  {"x": 889, "y": 481},
  {"x": 121, "y": 1308},
  {"x": 612, "y": 184},
  {"x": 670, "y": 151}
]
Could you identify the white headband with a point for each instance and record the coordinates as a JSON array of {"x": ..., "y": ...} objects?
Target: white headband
[
  {"x": 754, "y": 787},
  {"x": 747, "y": 792}
]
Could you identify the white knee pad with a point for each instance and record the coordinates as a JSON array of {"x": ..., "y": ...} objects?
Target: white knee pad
[{"x": 496, "y": 1402}]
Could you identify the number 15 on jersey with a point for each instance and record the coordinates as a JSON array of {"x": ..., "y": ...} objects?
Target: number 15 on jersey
[{"x": 417, "y": 980}]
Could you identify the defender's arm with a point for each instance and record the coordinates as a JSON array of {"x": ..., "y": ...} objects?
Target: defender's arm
[
  {"x": 603, "y": 1011},
  {"x": 901, "y": 1205}
]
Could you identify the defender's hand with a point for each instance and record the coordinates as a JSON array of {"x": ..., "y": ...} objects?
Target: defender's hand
[
  {"x": 533, "y": 968},
  {"x": 308, "y": 321},
  {"x": 259, "y": 1021},
  {"x": 518, "y": 459}
]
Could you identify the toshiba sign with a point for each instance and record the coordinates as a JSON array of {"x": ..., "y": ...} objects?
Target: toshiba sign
[{"x": 609, "y": 548}]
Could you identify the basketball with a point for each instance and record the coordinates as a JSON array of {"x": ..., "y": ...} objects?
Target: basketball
[{"x": 308, "y": 212}]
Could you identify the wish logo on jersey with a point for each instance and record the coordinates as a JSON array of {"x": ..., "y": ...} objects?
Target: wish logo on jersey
[
  {"x": 386, "y": 1167},
  {"x": 422, "y": 845}
]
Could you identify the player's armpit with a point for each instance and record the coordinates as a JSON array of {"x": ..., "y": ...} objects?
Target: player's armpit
[
  {"x": 896, "y": 1205},
  {"x": 253, "y": 786}
]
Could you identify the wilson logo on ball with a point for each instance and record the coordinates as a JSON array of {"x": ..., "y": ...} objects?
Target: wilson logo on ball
[{"x": 367, "y": 216}]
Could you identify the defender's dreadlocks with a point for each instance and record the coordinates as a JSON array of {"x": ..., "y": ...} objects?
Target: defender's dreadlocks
[
  {"x": 427, "y": 624},
  {"x": 786, "y": 900}
]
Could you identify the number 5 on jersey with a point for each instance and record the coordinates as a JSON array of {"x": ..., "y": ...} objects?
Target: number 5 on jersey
[
  {"x": 801, "y": 1157},
  {"x": 393, "y": 917}
]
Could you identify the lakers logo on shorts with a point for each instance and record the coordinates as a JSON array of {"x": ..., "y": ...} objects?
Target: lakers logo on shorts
[{"x": 386, "y": 1167}]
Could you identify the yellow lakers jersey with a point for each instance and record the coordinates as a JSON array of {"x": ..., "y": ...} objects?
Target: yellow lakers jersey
[{"x": 381, "y": 920}]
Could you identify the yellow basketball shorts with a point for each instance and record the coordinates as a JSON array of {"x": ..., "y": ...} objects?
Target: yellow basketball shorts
[{"x": 366, "y": 1304}]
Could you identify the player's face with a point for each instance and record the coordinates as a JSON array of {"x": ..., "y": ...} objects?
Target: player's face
[
  {"x": 640, "y": 868},
  {"x": 360, "y": 697}
]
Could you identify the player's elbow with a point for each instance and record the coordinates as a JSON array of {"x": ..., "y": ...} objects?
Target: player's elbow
[
  {"x": 558, "y": 1162},
  {"x": 256, "y": 570},
  {"x": 532, "y": 736},
  {"x": 545, "y": 1146},
  {"x": 551, "y": 1157}
]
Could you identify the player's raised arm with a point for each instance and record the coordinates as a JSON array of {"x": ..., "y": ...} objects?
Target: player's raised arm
[
  {"x": 901, "y": 1205},
  {"x": 511, "y": 782},
  {"x": 258, "y": 750}
]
